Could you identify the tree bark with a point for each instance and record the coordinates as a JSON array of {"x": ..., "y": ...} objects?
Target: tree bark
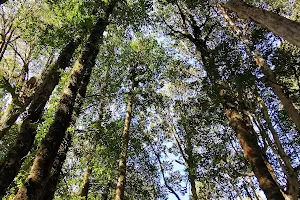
[
  {"x": 191, "y": 164},
  {"x": 246, "y": 135},
  {"x": 287, "y": 103},
  {"x": 21, "y": 100},
  {"x": 120, "y": 189},
  {"x": 281, "y": 26},
  {"x": 54, "y": 179},
  {"x": 86, "y": 180},
  {"x": 293, "y": 184},
  {"x": 40, "y": 171},
  {"x": 9, "y": 167},
  {"x": 188, "y": 156}
]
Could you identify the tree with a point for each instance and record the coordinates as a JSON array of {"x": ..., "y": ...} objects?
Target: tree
[
  {"x": 14, "y": 159},
  {"x": 279, "y": 25},
  {"x": 165, "y": 99}
]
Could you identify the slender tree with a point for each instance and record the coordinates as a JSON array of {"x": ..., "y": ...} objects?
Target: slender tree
[
  {"x": 120, "y": 189},
  {"x": 86, "y": 180},
  {"x": 293, "y": 184}
]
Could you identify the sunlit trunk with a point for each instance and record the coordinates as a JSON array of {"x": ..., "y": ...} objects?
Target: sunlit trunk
[
  {"x": 86, "y": 180},
  {"x": 120, "y": 189},
  {"x": 281, "y": 26}
]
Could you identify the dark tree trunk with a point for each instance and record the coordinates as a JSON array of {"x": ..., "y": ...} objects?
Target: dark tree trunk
[
  {"x": 40, "y": 171},
  {"x": 54, "y": 179},
  {"x": 191, "y": 167},
  {"x": 281, "y": 26},
  {"x": 9, "y": 167}
]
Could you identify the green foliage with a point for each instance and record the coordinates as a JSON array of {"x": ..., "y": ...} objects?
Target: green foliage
[{"x": 179, "y": 127}]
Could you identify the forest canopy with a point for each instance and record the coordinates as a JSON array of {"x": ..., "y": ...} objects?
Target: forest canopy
[{"x": 149, "y": 99}]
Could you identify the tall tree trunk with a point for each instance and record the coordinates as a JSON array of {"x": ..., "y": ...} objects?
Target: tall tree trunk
[
  {"x": 40, "y": 171},
  {"x": 191, "y": 167},
  {"x": 293, "y": 184},
  {"x": 54, "y": 179},
  {"x": 268, "y": 142},
  {"x": 190, "y": 162},
  {"x": 86, "y": 180},
  {"x": 281, "y": 26},
  {"x": 247, "y": 139},
  {"x": 9, "y": 167},
  {"x": 246, "y": 135},
  {"x": 120, "y": 189},
  {"x": 287, "y": 103}
]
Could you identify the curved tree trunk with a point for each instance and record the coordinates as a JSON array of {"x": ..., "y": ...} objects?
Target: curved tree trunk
[
  {"x": 9, "y": 167},
  {"x": 281, "y": 26},
  {"x": 120, "y": 189},
  {"x": 40, "y": 171}
]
